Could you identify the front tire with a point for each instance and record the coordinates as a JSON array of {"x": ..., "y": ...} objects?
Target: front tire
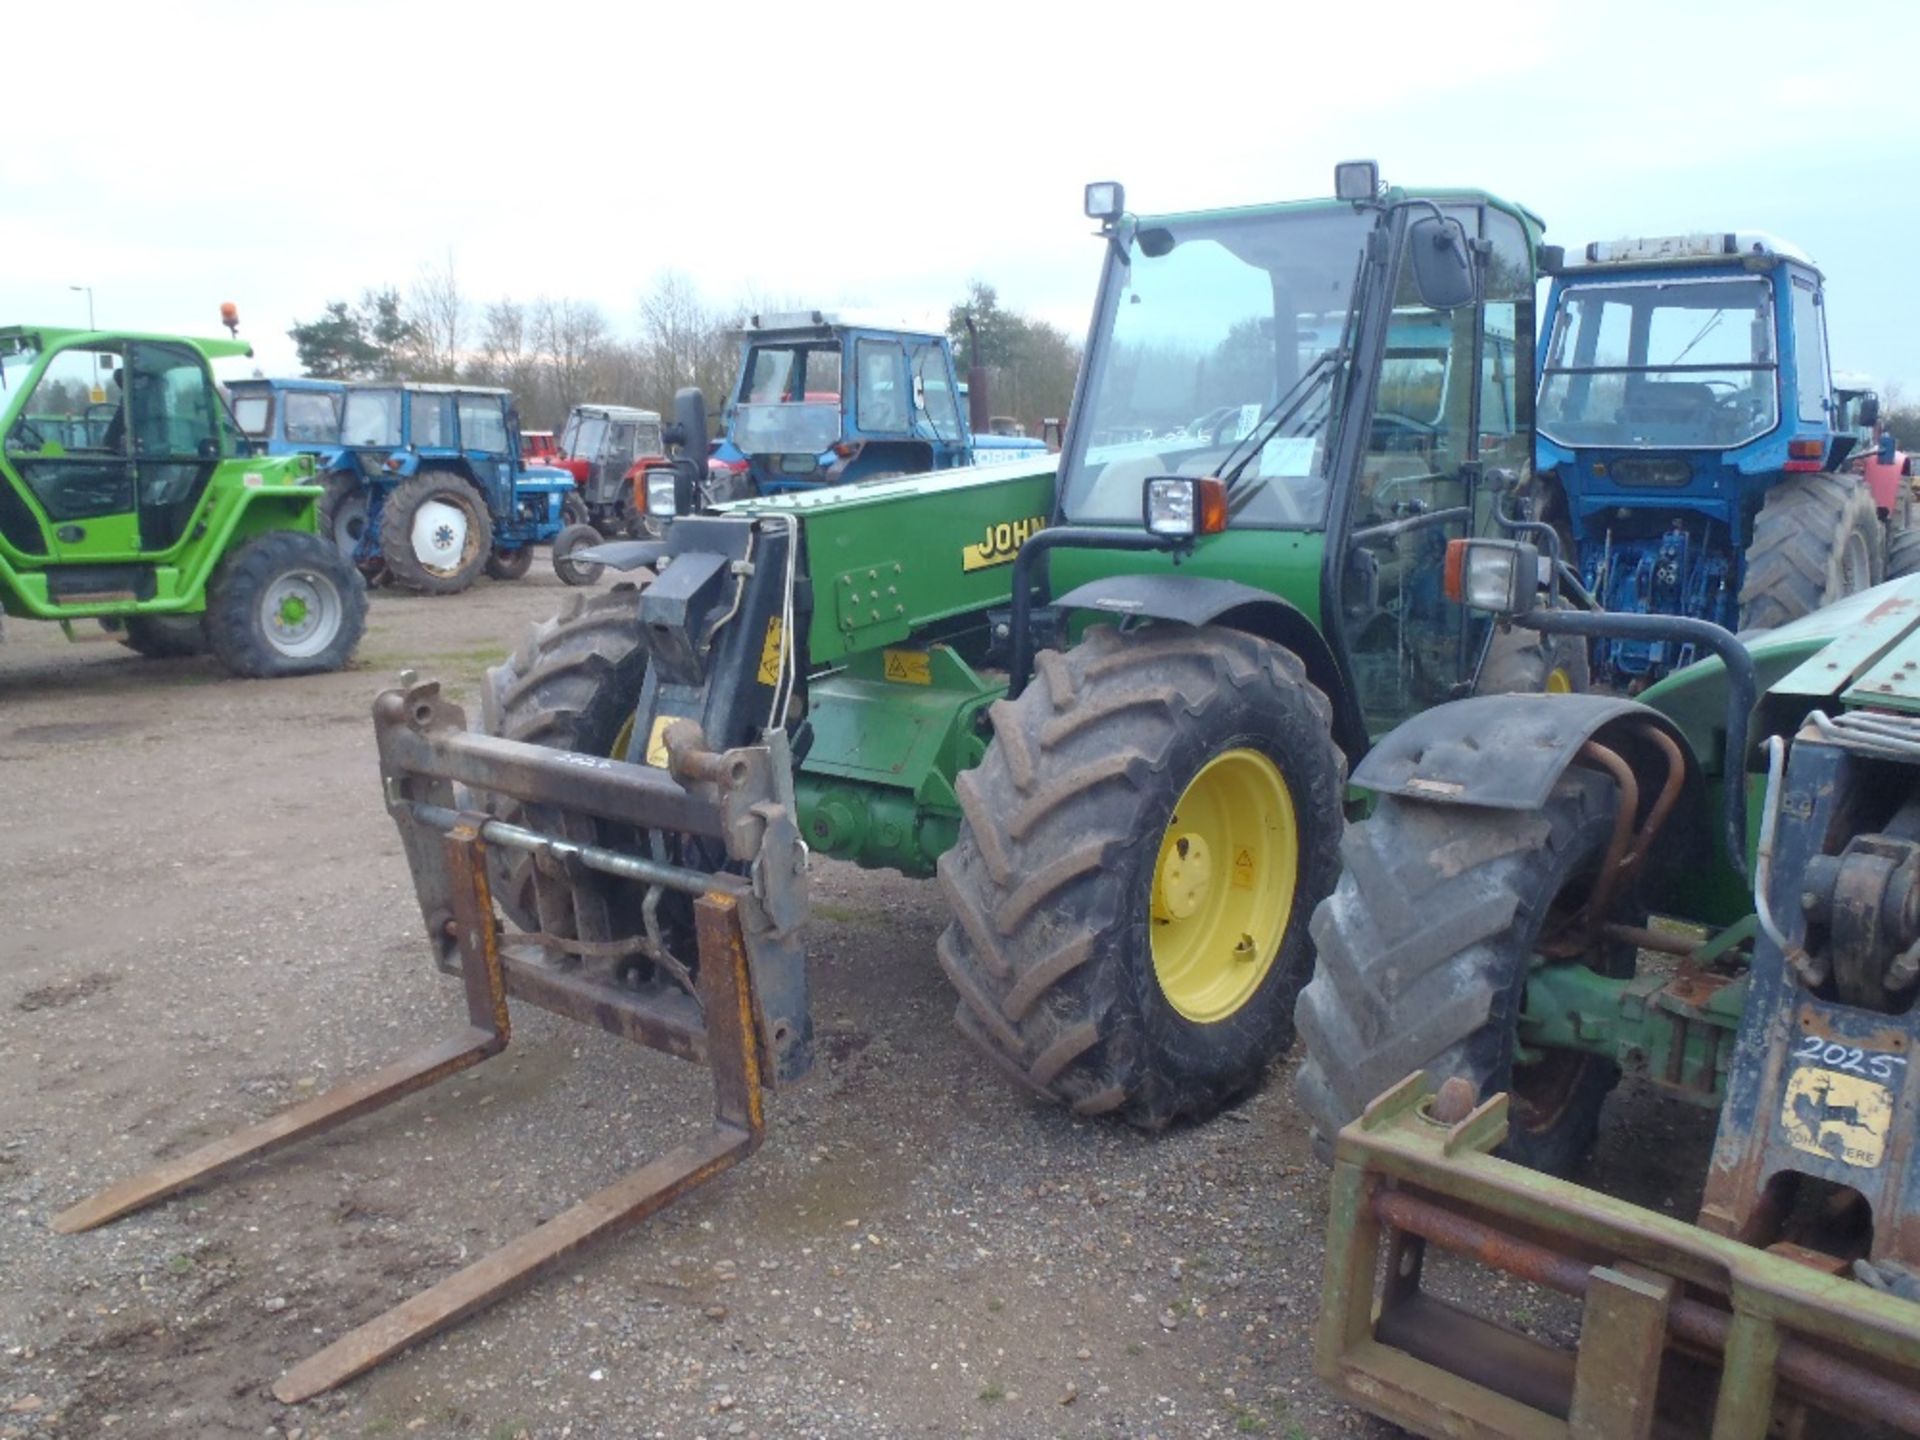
[
  {"x": 435, "y": 533},
  {"x": 571, "y": 571},
  {"x": 1817, "y": 539},
  {"x": 1424, "y": 950},
  {"x": 343, "y": 513},
  {"x": 1141, "y": 848},
  {"x": 285, "y": 603},
  {"x": 510, "y": 564}
]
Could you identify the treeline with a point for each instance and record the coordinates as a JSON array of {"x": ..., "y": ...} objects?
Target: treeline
[{"x": 553, "y": 354}]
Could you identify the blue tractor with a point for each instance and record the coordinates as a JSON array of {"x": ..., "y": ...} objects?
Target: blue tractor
[
  {"x": 427, "y": 489},
  {"x": 1689, "y": 432},
  {"x": 819, "y": 402},
  {"x": 288, "y": 417}
]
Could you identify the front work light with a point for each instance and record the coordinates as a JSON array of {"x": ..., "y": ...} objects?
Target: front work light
[
  {"x": 1106, "y": 201},
  {"x": 1498, "y": 575},
  {"x": 661, "y": 492},
  {"x": 1185, "y": 505},
  {"x": 1356, "y": 179}
]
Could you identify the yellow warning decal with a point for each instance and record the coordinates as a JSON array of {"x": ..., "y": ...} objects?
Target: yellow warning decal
[
  {"x": 657, "y": 741},
  {"x": 1842, "y": 1117},
  {"x": 1243, "y": 868},
  {"x": 770, "y": 654},
  {"x": 1000, "y": 543},
  {"x": 908, "y": 667}
]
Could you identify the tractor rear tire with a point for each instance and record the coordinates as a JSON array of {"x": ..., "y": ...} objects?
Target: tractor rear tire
[
  {"x": 573, "y": 684},
  {"x": 1424, "y": 950},
  {"x": 342, "y": 512},
  {"x": 1527, "y": 662},
  {"x": 165, "y": 637},
  {"x": 285, "y": 603},
  {"x": 1098, "y": 942},
  {"x": 510, "y": 564},
  {"x": 1816, "y": 540},
  {"x": 435, "y": 533}
]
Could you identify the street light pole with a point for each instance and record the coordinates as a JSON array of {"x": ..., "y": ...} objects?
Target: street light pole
[{"x": 89, "y": 290}]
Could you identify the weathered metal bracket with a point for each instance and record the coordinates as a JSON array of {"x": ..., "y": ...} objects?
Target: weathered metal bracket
[{"x": 1684, "y": 1332}]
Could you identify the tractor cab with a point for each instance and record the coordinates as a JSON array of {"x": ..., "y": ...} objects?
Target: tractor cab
[
  {"x": 1693, "y": 443},
  {"x": 1320, "y": 395},
  {"x": 288, "y": 417},
  {"x": 602, "y": 447},
  {"x": 819, "y": 403}
]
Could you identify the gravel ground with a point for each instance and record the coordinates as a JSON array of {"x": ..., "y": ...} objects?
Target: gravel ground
[{"x": 207, "y": 917}]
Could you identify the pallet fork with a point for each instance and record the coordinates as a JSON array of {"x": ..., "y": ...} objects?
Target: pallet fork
[{"x": 741, "y": 1009}]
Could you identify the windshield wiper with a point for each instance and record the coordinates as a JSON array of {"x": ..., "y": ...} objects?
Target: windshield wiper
[
  {"x": 1705, "y": 330},
  {"x": 1324, "y": 367}
]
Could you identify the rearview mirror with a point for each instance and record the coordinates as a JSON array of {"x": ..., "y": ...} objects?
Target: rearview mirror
[{"x": 1442, "y": 262}]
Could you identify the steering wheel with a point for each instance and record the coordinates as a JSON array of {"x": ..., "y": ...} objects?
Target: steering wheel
[
  {"x": 1403, "y": 432},
  {"x": 26, "y": 435}
]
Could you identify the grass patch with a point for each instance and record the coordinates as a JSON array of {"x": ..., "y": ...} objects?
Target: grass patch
[
  {"x": 1248, "y": 1422},
  {"x": 992, "y": 1392},
  {"x": 996, "y": 1304}
]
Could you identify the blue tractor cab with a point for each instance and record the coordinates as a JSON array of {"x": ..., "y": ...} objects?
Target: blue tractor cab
[
  {"x": 427, "y": 488},
  {"x": 818, "y": 402},
  {"x": 1687, "y": 428},
  {"x": 288, "y": 417}
]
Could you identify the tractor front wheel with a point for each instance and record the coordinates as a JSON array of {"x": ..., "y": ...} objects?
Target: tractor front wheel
[
  {"x": 570, "y": 570},
  {"x": 1141, "y": 848},
  {"x": 435, "y": 533},
  {"x": 1817, "y": 539},
  {"x": 342, "y": 512},
  {"x": 510, "y": 564},
  {"x": 285, "y": 603},
  {"x": 1424, "y": 951}
]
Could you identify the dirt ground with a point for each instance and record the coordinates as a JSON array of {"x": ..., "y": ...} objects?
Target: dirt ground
[{"x": 206, "y": 917}]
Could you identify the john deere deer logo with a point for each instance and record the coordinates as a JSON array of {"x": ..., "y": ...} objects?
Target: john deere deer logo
[{"x": 998, "y": 544}]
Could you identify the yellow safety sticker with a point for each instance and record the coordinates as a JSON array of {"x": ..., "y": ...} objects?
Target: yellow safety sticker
[
  {"x": 657, "y": 741},
  {"x": 909, "y": 667},
  {"x": 770, "y": 654},
  {"x": 1242, "y": 868},
  {"x": 1843, "y": 1117},
  {"x": 1000, "y": 543}
]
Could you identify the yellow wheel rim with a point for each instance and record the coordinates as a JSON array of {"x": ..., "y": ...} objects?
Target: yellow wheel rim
[
  {"x": 1559, "y": 682},
  {"x": 623, "y": 739},
  {"x": 1223, "y": 885}
]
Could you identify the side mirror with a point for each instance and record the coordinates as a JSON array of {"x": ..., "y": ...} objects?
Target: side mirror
[
  {"x": 1869, "y": 409},
  {"x": 1442, "y": 262},
  {"x": 690, "y": 417}
]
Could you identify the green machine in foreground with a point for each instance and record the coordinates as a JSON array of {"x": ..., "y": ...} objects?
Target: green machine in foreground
[
  {"x": 128, "y": 496},
  {"x": 1110, "y": 704},
  {"x": 1506, "y": 924}
]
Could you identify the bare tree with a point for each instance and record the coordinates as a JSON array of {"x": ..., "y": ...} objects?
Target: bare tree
[{"x": 438, "y": 314}]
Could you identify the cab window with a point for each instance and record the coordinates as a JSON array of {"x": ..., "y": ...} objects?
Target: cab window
[
  {"x": 483, "y": 424},
  {"x": 882, "y": 396}
]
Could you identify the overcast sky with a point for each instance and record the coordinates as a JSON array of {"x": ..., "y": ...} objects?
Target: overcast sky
[{"x": 176, "y": 155}]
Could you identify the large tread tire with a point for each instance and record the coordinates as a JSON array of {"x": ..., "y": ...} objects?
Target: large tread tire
[
  {"x": 1527, "y": 662},
  {"x": 1423, "y": 954},
  {"x": 165, "y": 637},
  {"x": 248, "y": 597},
  {"x": 1817, "y": 539},
  {"x": 573, "y": 685},
  {"x": 403, "y": 562},
  {"x": 342, "y": 512},
  {"x": 510, "y": 564},
  {"x": 1050, "y": 882}
]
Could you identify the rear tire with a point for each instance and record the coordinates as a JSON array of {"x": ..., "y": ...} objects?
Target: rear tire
[
  {"x": 435, "y": 533},
  {"x": 1528, "y": 662},
  {"x": 1816, "y": 540},
  {"x": 1423, "y": 954},
  {"x": 165, "y": 637},
  {"x": 1082, "y": 969},
  {"x": 285, "y": 603}
]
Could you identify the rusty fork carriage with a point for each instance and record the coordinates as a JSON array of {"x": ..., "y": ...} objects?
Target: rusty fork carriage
[{"x": 740, "y": 1007}]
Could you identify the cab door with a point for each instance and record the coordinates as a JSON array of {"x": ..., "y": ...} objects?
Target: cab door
[{"x": 1452, "y": 401}]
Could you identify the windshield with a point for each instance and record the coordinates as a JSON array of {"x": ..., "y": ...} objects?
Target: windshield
[
  {"x": 1217, "y": 326},
  {"x": 251, "y": 412},
  {"x": 801, "y": 429},
  {"x": 792, "y": 372},
  {"x": 585, "y": 435},
  {"x": 371, "y": 417},
  {"x": 1661, "y": 363}
]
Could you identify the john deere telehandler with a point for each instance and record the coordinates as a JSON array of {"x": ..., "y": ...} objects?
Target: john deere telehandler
[
  {"x": 1502, "y": 929},
  {"x": 1111, "y": 706},
  {"x": 129, "y": 497}
]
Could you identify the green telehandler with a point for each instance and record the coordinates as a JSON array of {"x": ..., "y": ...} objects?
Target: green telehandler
[
  {"x": 128, "y": 496},
  {"x": 1715, "y": 889},
  {"x": 1110, "y": 704}
]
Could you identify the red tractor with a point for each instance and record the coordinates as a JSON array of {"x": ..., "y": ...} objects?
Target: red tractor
[
  {"x": 538, "y": 447},
  {"x": 605, "y": 447}
]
